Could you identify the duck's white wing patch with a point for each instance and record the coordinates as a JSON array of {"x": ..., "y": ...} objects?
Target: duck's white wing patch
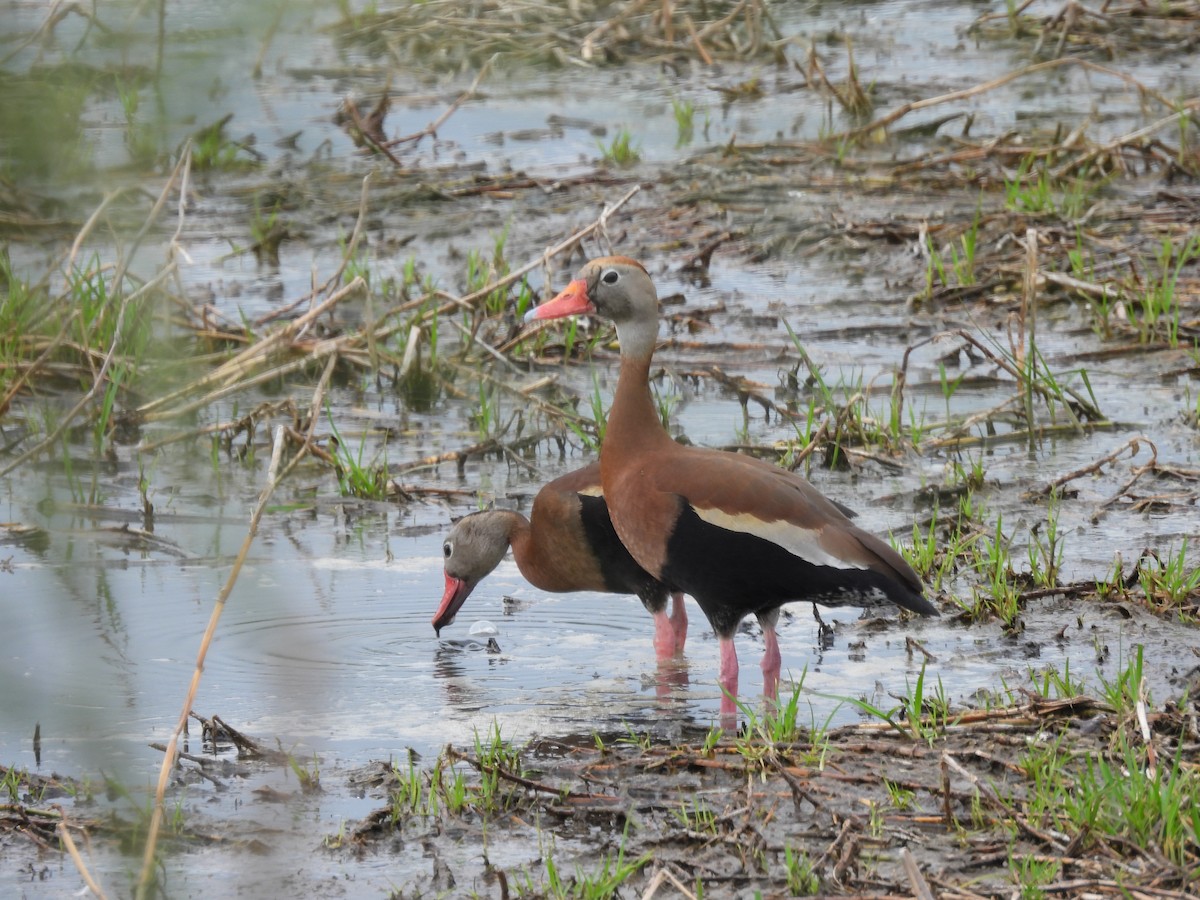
[{"x": 801, "y": 542}]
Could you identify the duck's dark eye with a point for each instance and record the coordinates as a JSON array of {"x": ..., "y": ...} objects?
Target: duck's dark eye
[
  {"x": 447, "y": 549},
  {"x": 612, "y": 276}
]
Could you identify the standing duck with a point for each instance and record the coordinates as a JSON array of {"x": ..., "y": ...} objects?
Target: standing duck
[
  {"x": 567, "y": 544},
  {"x": 739, "y": 534}
]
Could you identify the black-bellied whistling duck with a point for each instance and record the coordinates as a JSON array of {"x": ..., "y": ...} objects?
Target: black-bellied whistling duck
[
  {"x": 739, "y": 534},
  {"x": 567, "y": 544}
]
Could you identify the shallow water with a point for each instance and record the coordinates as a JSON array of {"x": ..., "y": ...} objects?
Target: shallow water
[{"x": 326, "y": 644}]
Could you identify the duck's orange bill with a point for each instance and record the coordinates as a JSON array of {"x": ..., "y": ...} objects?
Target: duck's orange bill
[
  {"x": 455, "y": 595},
  {"x": 571, "y": 301}
]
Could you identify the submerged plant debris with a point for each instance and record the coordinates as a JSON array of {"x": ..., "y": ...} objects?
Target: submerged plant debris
[
  {"x": 1060, "y": 795},
  {"x": 1042, "y": 789},
  {"x": 962, "y": 295}
]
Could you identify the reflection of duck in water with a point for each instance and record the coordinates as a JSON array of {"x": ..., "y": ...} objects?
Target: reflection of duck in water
[
  {"x": 482, "y": 636},
  {"x": 567, "y": 544},
  {"x": 741, "y": 535}
]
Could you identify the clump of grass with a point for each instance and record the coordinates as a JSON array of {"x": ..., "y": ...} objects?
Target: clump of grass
[
  {"x": 356, "y": 478},
  {"x": 309, "y": 777},
  {"x": 902, "y": 798},
  {"x": 1045, "y": 550},
  {"x": 997, "y": 594},
  {"x": 1057, "y": 685},
  {"x": 20, "y": 787},
  {"x": 696, "y": 817},
  {"x": 777, "y": 726},
  {"x": 483, "y": 270},
  {"x": 1042, "y": 194},
  {"x": 1120, "y": 795},
  {"x": 448, "y": 783},
  {"x": 141, "y": 139},
  {"x": 1030, "y": 874},
  {"x": 961, "y": 270},
  {"x": 494, "y": 753},
  {"x": 267, "y": 232},
  {"x": 214, "y": 151},
  {"x": 1031, "y": 196},
  {"x": 409, "y": 796},
  {"x": 599, "y": 884},
  {"x": 487, "y": 414},
  {"x": 621, "y": 150},
  {"x": 1171, "y": 582},
  {"x": 802, "y": 879},
  {"x": 1154, "y": 305},
  {"x": 853, "y": 97},
  {"x": 924, "y": 553},
  {"x": 103, "y": 316},
  {"x": 685, "y": 121},
  {"x": 920, "y": 715}
]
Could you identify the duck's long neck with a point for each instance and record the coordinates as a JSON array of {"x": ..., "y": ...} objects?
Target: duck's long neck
[
  {"x": 524, "y": 548},
  {"x": 633, "y": 422}
]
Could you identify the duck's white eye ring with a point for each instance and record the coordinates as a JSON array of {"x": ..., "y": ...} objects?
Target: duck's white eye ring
[
  {"x": 447, "y": 549},
  {"x": 612, "y": 276}
]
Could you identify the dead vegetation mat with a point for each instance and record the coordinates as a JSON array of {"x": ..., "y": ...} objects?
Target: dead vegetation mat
[{"x": 1042, "y": 795}]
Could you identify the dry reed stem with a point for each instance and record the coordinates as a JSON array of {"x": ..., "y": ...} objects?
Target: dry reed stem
[
  {"x": 1151, "y": 466},
  {"x": 1107, "y": 148},
  {"x": 664, "y": 875},
  {"x": 98, "y": 382},
  {"x": 992, "y": 799},
  {"x": 1144, "y": 731},
  {"x": 253, "y": 356},
  {"x": 274, "y": 477},
  {"x": 261, "y": 411},
  {"x": 64, "y": 835},
  {"x": 516, "y": 275},
  {"x": 1027, "y": 323},
  {"x": 1133, "y": 445},
  {"x": 431, "y": 129},
  {"x": 920, "y": 886},
  {"x": 33, "y": 367},
  {"x": 900, "y": 112},
  {"x": 55, "y": 15},
  {"x": 89, "y": 225},
  {"x": 587, "y": 48},
  {"x": 242, "y": 370},
  {"x": 319, "y": 352}
]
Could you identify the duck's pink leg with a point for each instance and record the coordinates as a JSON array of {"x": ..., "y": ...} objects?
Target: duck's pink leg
[
  {"x": 664, "y": 636},
  {"x": 771, "y": 661},
  {"x": 729, "y": 682},
  {"x": 679, "y": 621}
]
